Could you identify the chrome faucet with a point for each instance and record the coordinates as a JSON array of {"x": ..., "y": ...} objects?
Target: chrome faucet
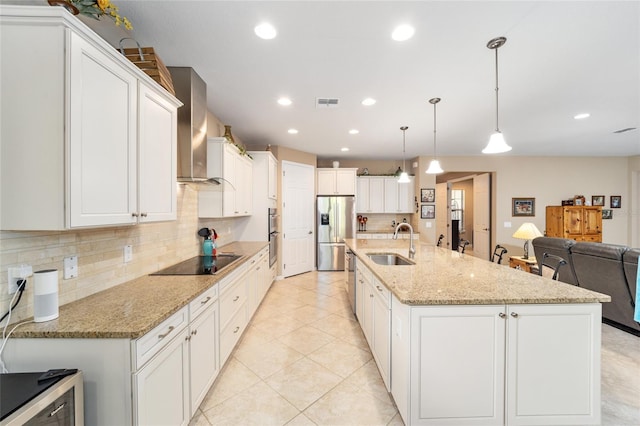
[{"x": 412, "y": 251}]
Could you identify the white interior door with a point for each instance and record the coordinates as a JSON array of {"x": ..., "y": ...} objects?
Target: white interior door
[
  {"x": 443, "y": 214},
  {"x": 298, "y": 217},
  {"x": 482, "y": 216}
]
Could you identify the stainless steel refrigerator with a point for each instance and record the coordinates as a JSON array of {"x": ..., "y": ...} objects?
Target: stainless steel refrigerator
[{"x": 336, "y": 218}]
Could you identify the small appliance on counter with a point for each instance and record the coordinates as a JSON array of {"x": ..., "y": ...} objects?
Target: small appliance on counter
[{"x": 209, "y": 244}]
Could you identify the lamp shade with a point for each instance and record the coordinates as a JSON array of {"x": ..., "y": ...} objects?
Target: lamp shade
[
  {"x": 527, "y": 231},
  {"x": 496, "y": 144},
  {"x": 404, "y": 178},
  {"x": 434, "y": 168}
]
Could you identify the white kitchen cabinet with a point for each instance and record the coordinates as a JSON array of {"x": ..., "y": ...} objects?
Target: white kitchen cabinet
[
  {"x": 264, "y": 171},
  {"x": 272, "y": 173},
  {"x": 375, "y": 319},
  {"x": 81, "y": 127},
  {"x": 234, "y": 196},
  {"x": 370, "y": 194},
  {"x": 398, "y": 197},
  {"x": 496, "y": 364},
  {"x": 336, "y": 181}
]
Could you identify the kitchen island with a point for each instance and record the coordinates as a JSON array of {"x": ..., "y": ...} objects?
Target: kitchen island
[{"x": 463, "y": 341}]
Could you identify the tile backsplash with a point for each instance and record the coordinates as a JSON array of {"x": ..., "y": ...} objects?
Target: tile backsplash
[{"x": 100, "y": 252}]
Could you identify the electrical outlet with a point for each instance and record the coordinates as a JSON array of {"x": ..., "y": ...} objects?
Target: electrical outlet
[
  {"x": 15, "y": 274},
  {"x": 128, "y": 253},
  {"x": 70, "y": 267}
]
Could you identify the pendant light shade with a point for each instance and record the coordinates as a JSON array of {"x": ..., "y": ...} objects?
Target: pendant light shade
[
  {"x": 434, "y": 166},
  {"x": 496, "y": 144},
  {"x": 404, "y": 176}
]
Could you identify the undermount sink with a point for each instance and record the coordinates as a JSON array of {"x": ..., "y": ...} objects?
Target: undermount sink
[{"x": 389, "y": 259}]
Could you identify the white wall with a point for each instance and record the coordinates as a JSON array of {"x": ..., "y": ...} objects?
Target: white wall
[{"x": 549, "y": 180}]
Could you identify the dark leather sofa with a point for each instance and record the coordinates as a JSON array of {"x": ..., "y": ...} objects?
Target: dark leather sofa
[{"x": 606, "y": 268}]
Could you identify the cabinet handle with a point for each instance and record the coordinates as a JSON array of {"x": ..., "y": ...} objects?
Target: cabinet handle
[
  {"x": 379, "y": 288},
  {"x": 236, "y": 298},
  {"x": 235, "y": 330},
  {"x": 58, "y": 408},
  {"x": 513, "y": 314},
  {"x": 186, "y": 339},
  {"x": 502, "y": 315},
  {"x": 194, "y": 332},
  {"x": 253, "y": 261},
  {"x": 162, "y": 336},
  {"x": 134, "y": 214},
  {"x": 370, "y": 295},
  {"x": 143, "y": 214},
  {"x": 205, "y": 300}
]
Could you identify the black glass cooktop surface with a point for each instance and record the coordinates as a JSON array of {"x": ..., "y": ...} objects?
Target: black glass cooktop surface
[{"x": 200, "y": 265}]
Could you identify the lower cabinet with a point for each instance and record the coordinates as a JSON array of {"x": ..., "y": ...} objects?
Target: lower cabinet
[
  {"x": 374, "y": 314},
  {"x": 497, "y": 365}
]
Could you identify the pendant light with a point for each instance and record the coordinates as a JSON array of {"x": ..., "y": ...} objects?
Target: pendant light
[
  {"x": 434, "y": 166},
  {"x": 404, "y": 176},
  {"x": 496, "y": 144}
]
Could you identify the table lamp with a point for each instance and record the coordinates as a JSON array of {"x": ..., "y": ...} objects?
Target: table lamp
[{"x": 527, "y": 231}]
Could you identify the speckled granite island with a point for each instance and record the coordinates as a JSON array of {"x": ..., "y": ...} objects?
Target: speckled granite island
[
  {"x": 463, "y": 341},
  {"x": 150, "y": 348}
]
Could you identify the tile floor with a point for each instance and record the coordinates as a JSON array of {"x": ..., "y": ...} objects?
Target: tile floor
[{"x": 303, "y": 360}]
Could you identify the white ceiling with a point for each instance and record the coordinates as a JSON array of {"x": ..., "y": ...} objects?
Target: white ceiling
[{"x": 560, "y": 59}]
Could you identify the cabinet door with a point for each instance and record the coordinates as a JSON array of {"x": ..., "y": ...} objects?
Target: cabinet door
[
  {"x": 345, "y": 182},
  {"x": 554, "y": 226},
  {"x": 458, "y": 365},
  {"x": 162, "y": 386},
  {"x": 273, "y": 178},
  {"x": 382, "y": 333},
  {"x": 244, "y": 193},
  {"x": 406, "y": 193},
  {"x": 391, "y": 195},
  {"x": 553, "y": 364},
  {"x": 229, "y": 167},
  {"x": 362, "y": 195},
  {"x": 376, "y": 195},
  {"x": 592, "y": 222},
  {"x": 573, "y": 222},
  {"x": 102, "y": 138},
  {"x": 203, "y": 354},
  {"x": 366, "y": 322},
  {"x": 326, "y": 182},
  {"x": 157, "y": 144}
]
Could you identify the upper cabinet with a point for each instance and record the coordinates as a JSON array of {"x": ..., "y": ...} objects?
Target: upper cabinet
[
  {"x": 398, "y": 197},
  {"x": 379, "y": 194},
  {"x": 370, "y": 194},
  {"x": 233, "y": 197},
  {"x": 93, "y": 142},
  {"x": 336, "y": 181}
]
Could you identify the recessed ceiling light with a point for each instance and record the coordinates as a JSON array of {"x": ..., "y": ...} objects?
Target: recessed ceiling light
[
  {"x": 345, "y": 149},
  {"x": 284, "y": 101},
  {"x": 368, "y": 102},
  {"x": 265, "y": 31},
  {"x": 293, "y": 131},
  {"x": 354, "y": 131},
  {"x": 403, "y": 32},
  {"x": 581, "y": 116}
]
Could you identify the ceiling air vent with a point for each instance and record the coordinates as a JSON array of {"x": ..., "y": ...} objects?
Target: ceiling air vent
[
  {"x": 628, "y": 129},
  {"x": 326, "y": 103}
]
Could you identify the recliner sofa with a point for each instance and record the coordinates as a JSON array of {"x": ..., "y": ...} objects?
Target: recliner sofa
[{"x": 606, "y": 268}]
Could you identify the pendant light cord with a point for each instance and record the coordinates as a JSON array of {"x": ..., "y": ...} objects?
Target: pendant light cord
[
  {"x": 435, "y": 156},
  {"x": 403, "y": 145},
  {"x": 497, "y": 127}
]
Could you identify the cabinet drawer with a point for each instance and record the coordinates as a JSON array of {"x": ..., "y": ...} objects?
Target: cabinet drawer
[
  {"x": 381, "y": 292},
  {"x": 231, "y": 279},
  {"x": 231, "y": 301},
  {"x": 148, "y": 345},
  {"x": 232, "y": 332},
  {"x": 204, "y": 300}
]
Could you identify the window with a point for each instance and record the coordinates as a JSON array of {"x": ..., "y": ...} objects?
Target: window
[{"x": 457, "y": 207}]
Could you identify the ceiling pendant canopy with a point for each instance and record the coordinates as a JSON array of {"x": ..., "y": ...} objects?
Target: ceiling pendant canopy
[
  {"x": 434, "y": 166},
  {"x": 404, "y": 176},
  {"x": 496, "y": 144}
]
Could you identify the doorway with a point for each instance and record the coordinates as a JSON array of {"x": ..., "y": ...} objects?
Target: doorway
[{"x": 298, "y": 216}]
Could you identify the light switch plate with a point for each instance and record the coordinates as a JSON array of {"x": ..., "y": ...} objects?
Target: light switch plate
[
  {"x": 507, "y": 224},
  {"x": 70, "y": 267},
  {"x": 428, "y": 224},
  {"x": 128, "y": 253}
]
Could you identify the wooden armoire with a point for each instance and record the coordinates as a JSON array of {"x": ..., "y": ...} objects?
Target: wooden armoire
[{"x": 580, "y": 223}]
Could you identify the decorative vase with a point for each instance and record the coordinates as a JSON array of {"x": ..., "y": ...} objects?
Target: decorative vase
[{"x": 227, "y": 134}]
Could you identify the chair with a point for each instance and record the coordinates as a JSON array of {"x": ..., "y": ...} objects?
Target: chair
[
  {"x": 550, "y": 265},
  {"x": 498, "y": 252},
  {"x": 463, "y": 245},
  {"x": 560, "y": 247},
  {"x": 439, "y": 243}
]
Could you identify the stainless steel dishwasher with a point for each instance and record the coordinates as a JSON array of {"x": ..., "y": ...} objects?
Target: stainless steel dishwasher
[{"x": 350, "y": 273}]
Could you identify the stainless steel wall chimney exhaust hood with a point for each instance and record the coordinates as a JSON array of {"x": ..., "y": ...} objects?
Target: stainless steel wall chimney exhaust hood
[{"x": 192, "y": 125}]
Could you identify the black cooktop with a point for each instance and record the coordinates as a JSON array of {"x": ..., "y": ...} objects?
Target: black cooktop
[{"x": 200, "y": 265}]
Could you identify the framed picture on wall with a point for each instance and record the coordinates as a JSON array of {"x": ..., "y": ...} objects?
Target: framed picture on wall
[
  {"x": 607, "y": 213},
  {"x": 428, "y": 211},
  {"x": 616, "y": 201},
  {"x": 428, "y": 195},
  {"x": 597, "y": 200},
  {"x": 523, "y": 207}
]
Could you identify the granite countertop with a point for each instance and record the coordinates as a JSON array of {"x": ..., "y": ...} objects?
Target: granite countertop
[
  {"x": 445, "y": 277},
  {"x": 131, "y": 309}
]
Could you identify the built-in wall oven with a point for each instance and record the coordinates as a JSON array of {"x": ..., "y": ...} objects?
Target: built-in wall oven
[{"x": 273, "y": 236}]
